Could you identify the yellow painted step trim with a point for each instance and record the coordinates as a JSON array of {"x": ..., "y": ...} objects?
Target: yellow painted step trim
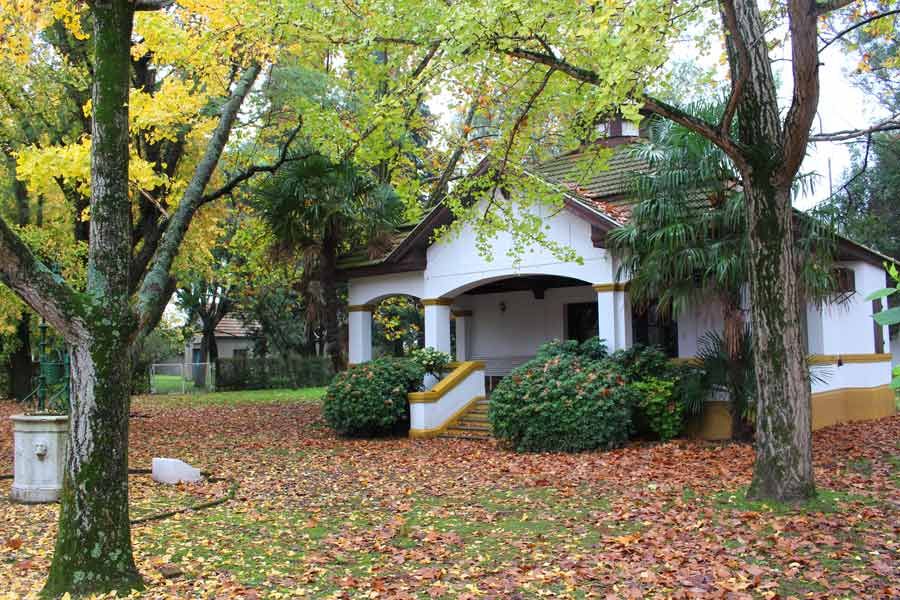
[
  {"x": 436, "y": 431},
  {"x": 454, "y": 378}
]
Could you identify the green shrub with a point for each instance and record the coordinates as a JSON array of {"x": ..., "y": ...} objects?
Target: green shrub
[
  {"x": 640, "y": 363},
  {"x": 659, "y": 407},
  {"x": 433, "y": 361},
  {"x": 370, "y": 399},
  {"x": 666, "y": 393},
  {"x": 562, "y": 401}
]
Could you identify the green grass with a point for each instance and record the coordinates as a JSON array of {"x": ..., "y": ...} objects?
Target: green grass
[
  {"x": 825, "y": 501},
  {"x": 172, "y": 384},
  {"x": 280, "y": 396}
]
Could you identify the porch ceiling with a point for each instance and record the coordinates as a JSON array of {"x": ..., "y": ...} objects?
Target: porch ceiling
[{"x": 525, "y": 283}]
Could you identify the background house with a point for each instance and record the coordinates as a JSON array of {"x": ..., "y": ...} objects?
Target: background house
[{"x": 234, "y": 339}]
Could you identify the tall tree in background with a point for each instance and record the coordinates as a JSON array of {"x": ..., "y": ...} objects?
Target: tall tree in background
[
  {"x": 205, "y": 301},
  {"x": 317, "y": 208}
]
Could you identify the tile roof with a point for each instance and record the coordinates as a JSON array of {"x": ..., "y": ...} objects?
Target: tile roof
[
  {"x": 602, "y": 184},
  {"x": 360, "y": 257},
  {"x": 233, "y": 327}
]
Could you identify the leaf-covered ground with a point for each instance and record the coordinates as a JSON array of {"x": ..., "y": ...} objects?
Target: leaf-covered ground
[{"x": 316, "y": 516}]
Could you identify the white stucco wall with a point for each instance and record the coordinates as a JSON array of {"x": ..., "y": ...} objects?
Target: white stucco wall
[
  {"x": 454, "y": 264},
  {"x": 694, "y": 323},
  {"x": 848, "y": 328},
  {"x": 225, "y": 346},
  {"x": 430, "y": 415}
]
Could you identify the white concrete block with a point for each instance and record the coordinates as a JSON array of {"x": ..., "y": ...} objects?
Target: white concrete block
[{"x": 172, "y": 470}]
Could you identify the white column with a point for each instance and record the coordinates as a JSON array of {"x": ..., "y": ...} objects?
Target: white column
[
  {"x": 437, "y": 323},
  {"x": 623, "y": 319},
  {"x": 614, "y": 315},
  {"x": 462, "y": 318},
  {"x": 360, "y": 326}
]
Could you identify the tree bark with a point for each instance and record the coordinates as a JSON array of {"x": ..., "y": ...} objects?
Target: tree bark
[
  {"x": 733, "y": 320},
  {"x": 93, "y": 548},
  {"x": 328, "y": 281},
  {"x": 783, "y": 468}
]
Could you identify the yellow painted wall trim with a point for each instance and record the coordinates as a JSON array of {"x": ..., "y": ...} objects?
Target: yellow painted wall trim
[
  {"x": 610, "y": 287},
  {"x": 828, "y": 408},
  {"x": 462, "y": 313},
  {"x": 832, "y": 359},
  {"x": 685, "y": 360},
  {"x": 437, "y": 302},
  {"x": 361, "y": 308},
  {"x": 815, "y": 359},
  {"x": 450, "y": 422},
  {"x": 454, "y": 378}
]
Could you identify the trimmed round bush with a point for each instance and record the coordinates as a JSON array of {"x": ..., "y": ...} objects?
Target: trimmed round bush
[
  {"x": 369, "y": 399},
  {"x": 564, "y": 400}
]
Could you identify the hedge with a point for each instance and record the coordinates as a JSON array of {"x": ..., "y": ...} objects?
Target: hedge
[{"x": 269, "y": 373}]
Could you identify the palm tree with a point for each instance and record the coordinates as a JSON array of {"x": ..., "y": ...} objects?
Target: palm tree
[
  {"x": 317, "y": 208},
  {"x": 687, "y": 237}
]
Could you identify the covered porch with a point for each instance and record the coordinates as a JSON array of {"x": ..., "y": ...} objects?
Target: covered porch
[{"x": 502, "y": 321}]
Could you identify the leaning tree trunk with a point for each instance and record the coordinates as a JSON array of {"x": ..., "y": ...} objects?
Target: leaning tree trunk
[
  {"x": 93, "y": 546},
  {"x": 783, "y": 467}
]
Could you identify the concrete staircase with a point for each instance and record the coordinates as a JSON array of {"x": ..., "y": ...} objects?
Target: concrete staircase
[{"x": 472, "y": 424}]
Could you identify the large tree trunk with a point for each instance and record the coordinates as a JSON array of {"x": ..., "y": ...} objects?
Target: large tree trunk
[
  {"x": 328, "y": 281},
  {"x": 93, "y": 547},
  {"x": 20, "y": 369},
  {"x": 783, "y": 468},
  {"x": 772, "y": 152}
]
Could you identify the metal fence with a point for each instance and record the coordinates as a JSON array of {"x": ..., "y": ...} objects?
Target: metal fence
[{"x": 182, "y": 378}]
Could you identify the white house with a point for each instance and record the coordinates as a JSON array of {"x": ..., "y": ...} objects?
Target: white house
[
  {"x": 234, "y": 339},
  {"x": 501, "y": 312}
]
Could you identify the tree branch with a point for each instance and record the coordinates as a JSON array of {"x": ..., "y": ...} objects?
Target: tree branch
[
  {"x": 440, "y": 188},
  {"x": 805, "y": 68},
  {"x": 249, "y": 172},
  {"x": 698, "y": 126},
  {"x": 152, "y": 295},
  {"x": 46, "y": 293},
  {"x": 695, "y": 124},
  {"x": 729, "y": 19},
  {"x": 822, "y": 8},
  {"x": 857, "y": 25},
  {"x": 891, "y": 124}
]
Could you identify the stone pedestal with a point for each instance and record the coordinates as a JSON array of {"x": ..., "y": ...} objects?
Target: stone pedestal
[{"x": 40, "y": 457}]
